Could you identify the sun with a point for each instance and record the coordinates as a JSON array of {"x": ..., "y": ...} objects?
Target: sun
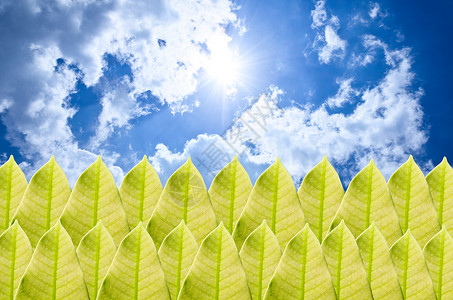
[{"x": 223, "y": 67}]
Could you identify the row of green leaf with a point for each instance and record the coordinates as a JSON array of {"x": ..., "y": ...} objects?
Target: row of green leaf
[{"x": 182, "y": 222}]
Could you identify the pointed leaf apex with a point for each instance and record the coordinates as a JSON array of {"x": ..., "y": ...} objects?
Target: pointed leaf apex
[
  {"x": 264, "y": 222},
  {"x": 235, "y": 158},
  {"x": 278, "y": 160},
  {"x": 189, "y": 160},
  {"x": 100, "y": 223},
  {"x": 372, "y": 162},
  {"x": 99, "y": 158},
  {"x": 306, "y": 226},
  {"x": 52, "y": 158},
  {"x": 182, "y": 223},
  {"x": 145, "y": 157},
  {"x": 325, "y": 158},
  {"x": 411, "y": 158},
  {"x": 444, "y": 160},
  {"x": 11, "y": 158}
]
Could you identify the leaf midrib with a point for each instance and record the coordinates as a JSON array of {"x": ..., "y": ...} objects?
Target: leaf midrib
[
  {"x": 49, "y": 194},
  {"x": 441, "y": 265},
  {"x": 55, "y": 262},
  {"x": 370, "y": 255},
  {"x": 8, "y": 193},
  {"x": 274, "y": 198},
  {"x": 232, "y": 198},
  {"x": 368, "y": 199},
  {"x": 304, "y": 265},
  {"x": 137, "y": 262},
  {"x": 405, "y": 264},
  {"x": 98, "y": 254},
  {"x": 186, "y": 193},
  {"x": 219, "y": 256},
  {"x": 96, "y": 194},
  {"x": 407, "y": 196},
  {"x": 142, "y": 192},
  {"x": 442, "y": 194},
  {"x": 13, "y": 263},
  {"x": 260, "y": 270},
  {"x": 178, "y": 270},
  {"x": 321, "y": 200},
  {"x": 339, "y": 258}
]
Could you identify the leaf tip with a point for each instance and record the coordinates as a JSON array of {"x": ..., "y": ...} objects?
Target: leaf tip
[
  {"x": 145, "y": 157},
  {"x": 189, "y": 160},
  {"x": 411, "y": 158},
  {"x": 444, "y": 160},
  {"x": 235, "y": 158}
]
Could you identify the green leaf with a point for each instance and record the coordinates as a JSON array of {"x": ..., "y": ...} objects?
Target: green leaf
[
  {"x": 320, "y": 195},
  {"x": 345, "y": 264},
  {"x": 413, "y": 202},
  {"x": 12, "y": 188},
  {"x": 95, "y": 197},
  {"x": 378, "y": 264},
  {"x": 140, "y": 191},
  {"x": 177, "y": 254},
  {"x": 274, "y": 199},
  {"x": 260, "y": 256},
  {"x": 135, "y": 272},
  {"x": 438, "y": 253},
  {"x": 440, "y": 182},
  {"x": 368, "y": 199},
  {"x": 184, "y": 198},
  {"x": 411, "y": 268},
  {"x": 54, "y": 271},
  {"x": 15, "y": 254},
  {"x": 229, "y": 193},
  {"x": 217, "y": 271},
  {"x": 95, "y": 252},
  {"x": 43, "y": 201},
  {"x": 302, "y": 272}
]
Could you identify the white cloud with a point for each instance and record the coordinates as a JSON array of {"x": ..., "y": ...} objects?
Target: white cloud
[
  {"x": 374, "y": 10},
  {"x": 386, "y": 125},
  {"x": 164, "y": 42},
  {"x": 328, "y": 43},
  {"x": 344, "y": 94}
]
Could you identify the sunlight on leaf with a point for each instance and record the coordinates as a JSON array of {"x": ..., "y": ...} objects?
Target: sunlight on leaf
[
  {"x": 320, "y": 195},
  {"x": 15, "y": 254},
  {"x": 217, "y": 271},
  {"x": 176, "y": 255},
  {"x": 12, "y": 188},
  {"x": 378, "y": 264},
  {"x": 95, "y": 197},
  {"x": 345, "y": 264},
  {"x": 260, "y": 255},
  {"x": 368, "y": 199},
  {"x": 302, "y": 272},
  {"x": 43, "y": 201},
  {"x": 54, "y": 271},
  {"x": 410, "y": 265},
  {"x": 274, "y": 199},
  {"x": 135, "y": 272},
  {"x": 95, "y": 252},
  {"x": 140, "y": 191},
  {"x": 184, "y": 198},
  {"x": 229, "y": 193},
  {"x": 413, "y": 202},
  {"x": 438, "y": 253},
  {"x": 440, "y": 182}
]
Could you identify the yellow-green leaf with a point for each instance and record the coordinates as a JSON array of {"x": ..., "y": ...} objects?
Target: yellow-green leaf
[
  {"x": 95, "y": 197},
  {"x": 184, "y": 198},
  {"x": 413, "y": 202},
  {"x": 136, "y": 272},
  {"x": 15, "y": 254},
  {"x": 440, "y": 182},
  {"x": 411, "y": 268},
  {"x": 140, "y": 191},
  {"x": 260, "y": 255},
  {"x": 378, "y": 264},
  {"x": 302, "y": 272},
  {"x": 95, "y": 252},
  {"x": 217, "y": 271},
  {"x": 368, "y": 199},
  {"x": 12, "y": 188},
  {"x": 345, "y": 264},
  {"x": 54, "y": 271},
  {"x": 438, "y": 253},
  {"x": 43, "y": 201},
  {"x": 176, "y": 255},
  {"x": 274, "y": 199},
  {"x": 320, "y": 195},
  {"x": 229, "y": 193}
]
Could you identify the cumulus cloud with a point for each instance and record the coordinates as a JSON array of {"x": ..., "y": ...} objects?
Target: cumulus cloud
[
  {"x": 386, "y": 125},
  {"x": 344, "y": 95},
  {"x": 328, "y": 43},
  {"x": 48, "y": 47}
]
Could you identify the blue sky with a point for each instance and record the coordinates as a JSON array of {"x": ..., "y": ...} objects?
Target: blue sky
[{"x": 353, "y": 80}]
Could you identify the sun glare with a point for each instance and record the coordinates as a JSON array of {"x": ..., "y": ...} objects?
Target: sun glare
[{"x": 223, "y": 67}]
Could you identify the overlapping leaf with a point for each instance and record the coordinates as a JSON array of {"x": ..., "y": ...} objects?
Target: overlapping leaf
[
  {"x": 176, "y": 255},
  {"x": 260, "y": 255},
  {"x": 217, "y": 271},
  {"x": 95, "y": 197},
  {"x": 229, "y": 193},
  {"x": 302, "y": 272},
  {"x": 438, "y": 253},
  {"x": 378, "y": 264},
  {"x": 140, "y": 191},
  {"x": 320, "y": 195},
  {"x": 411, "y": 268},
  {"x": 413, "y": 202},
  {"x": 345, "y": 264},
  {"x": 368, "y": 199},
  {"x": 43, "y": 201},
  {"x": 440, "y": 182},
  {"x": 15, "y": 254},
  {"x": 184, "y": 198},
  {"x": 136, "y": 272},
  {"x": 95, "y": 252},
  {"x": 54, "y": 271},
  {"x": 12, "y": 188},
  {"x": 274, "y": 199}
]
